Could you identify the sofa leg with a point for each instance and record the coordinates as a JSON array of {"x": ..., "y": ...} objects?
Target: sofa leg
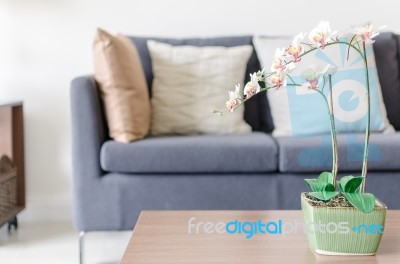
[{"x": 81, "y": 247}]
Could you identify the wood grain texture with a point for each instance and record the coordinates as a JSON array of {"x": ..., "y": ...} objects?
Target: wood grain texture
[{"x": 162, "y": 237}]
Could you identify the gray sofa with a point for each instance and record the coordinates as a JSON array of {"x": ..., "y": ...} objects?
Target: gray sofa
[{"x": 113, "y": 182}]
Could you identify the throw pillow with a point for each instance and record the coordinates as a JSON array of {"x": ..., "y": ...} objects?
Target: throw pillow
[
  {"x": 298, "y": 111},
  {"x": 189, "y": 82},
  {"x": 123, "y": 86},
  {"x": 254, "y": 110}
]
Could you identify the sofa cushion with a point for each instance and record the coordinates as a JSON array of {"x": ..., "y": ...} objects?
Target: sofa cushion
[
  {"x": 300, "y": 111},
  {"x": 257, "y": 112},
  {"x": 123, "y": 86},
  {"x": 314, "y": 154},
  {"x": 190, "y": 82},
  {"x": 255, "y": 152},
  {"x": 387, "y": 63}
]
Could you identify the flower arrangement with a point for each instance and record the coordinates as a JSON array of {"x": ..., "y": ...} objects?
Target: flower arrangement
[{"x": 326, "y": 187}]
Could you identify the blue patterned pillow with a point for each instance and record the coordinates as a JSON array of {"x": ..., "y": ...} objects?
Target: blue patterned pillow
[{"x": 299, "y": 111}]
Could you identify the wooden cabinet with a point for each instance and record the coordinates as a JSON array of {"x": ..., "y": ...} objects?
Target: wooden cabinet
[{"x": 12, "y": 145}]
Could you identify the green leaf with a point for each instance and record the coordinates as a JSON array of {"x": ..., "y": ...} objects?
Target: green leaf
[
  {"x": 314, "y": 184},
  {"x": 326, "y": 177},
  {"x": 353, "y": 184},
  {"x": 365, "y": 202},
  {"x": 323, "y": 196},
  {"x": 350, "y": 184},
  {"x": 324, "y": 182},
  {"x": 317, "y": 186},
  {"x": 343, "y": 181},
  {"x": 329, "y": 187}
]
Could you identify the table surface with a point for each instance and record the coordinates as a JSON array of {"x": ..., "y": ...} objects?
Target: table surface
[{"x": 163, "y": 237}]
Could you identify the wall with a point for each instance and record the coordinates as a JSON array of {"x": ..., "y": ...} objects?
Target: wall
[{"x": 44, "y": 44}]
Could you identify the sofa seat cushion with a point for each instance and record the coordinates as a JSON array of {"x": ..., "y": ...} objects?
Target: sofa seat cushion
[
  {"x": 314, "y": 154},
  {"x": 254, "y": 152}
]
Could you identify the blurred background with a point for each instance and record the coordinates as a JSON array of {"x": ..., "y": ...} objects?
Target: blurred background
[{"x": 44, "y": 44}]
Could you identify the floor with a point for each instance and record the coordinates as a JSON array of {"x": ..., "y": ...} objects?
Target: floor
[{"x": 57, "y": 242}]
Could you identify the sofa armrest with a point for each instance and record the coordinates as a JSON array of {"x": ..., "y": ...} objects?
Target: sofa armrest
[{"x": 88, "y": 130}]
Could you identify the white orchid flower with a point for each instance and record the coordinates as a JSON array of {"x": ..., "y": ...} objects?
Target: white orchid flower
[
  {"x": 234, "y": 99},
  {"x": 277, "y": 79},
  {"x": 313, "y": 74},
  {"x": 278, "y": 62},
  {"x": 297, "y": 47},
  {"x": 252, "y": 87},
  {"x": 366, "y": 33},
  {"x": 322, "y": 34}
]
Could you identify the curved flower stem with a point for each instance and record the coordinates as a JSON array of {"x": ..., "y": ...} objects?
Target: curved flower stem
[
  {"x": 305, "y": 53},
  {"x": 243, "y": 101},
  {"x": 362, "y": 53},
  {"x": 367, "y": 129},
  {"x": 330, "y": 44},
  {"x": 333, "y": 129},
  {"x": 330, "y": 110}
]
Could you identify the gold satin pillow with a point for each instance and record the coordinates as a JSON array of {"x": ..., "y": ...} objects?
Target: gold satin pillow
[{"x": 123, "y": 87}]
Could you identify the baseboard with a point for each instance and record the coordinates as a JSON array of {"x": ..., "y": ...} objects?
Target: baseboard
[{"x": 40, "y": 209}]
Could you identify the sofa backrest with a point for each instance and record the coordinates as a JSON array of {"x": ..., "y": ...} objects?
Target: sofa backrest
[
  {"x": 257, "y": 113},
  {"x": 386, "y": 49}
]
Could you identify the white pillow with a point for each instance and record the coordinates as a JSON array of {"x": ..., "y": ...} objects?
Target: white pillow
[
  {"x": 190, "y": 82},
  {"x": 298, "y": 111}
]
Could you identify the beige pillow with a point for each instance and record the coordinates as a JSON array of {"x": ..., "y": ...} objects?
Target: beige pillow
[
  {"x": 123, "y": 86},
  {"x": 189, "y": 82}
]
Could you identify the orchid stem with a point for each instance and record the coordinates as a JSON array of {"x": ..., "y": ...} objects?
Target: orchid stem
[
  {"x": 333, "y": 134},
  {"x": 367, "y": 129},
  {"x": 333, "y": 130}
]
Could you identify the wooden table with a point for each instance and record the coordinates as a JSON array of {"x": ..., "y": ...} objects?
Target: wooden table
[{"x": 163, "y": 237}]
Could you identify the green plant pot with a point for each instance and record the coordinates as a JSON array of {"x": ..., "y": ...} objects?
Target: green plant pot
[{"x": 343, "y": 230}]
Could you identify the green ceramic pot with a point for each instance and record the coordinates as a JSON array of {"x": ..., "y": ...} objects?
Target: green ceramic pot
[{"x": 343, "y": 230}]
